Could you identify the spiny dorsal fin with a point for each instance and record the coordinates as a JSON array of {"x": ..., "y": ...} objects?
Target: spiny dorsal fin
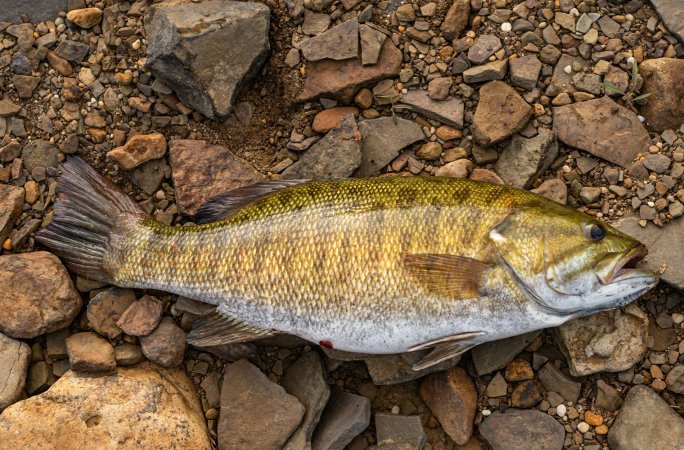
[
  {"x": 446, "y": 347},
  {"x": 452, "y": 276},
  {"x": 215, "y": 328},
  {"x": 219, "y": 207}
]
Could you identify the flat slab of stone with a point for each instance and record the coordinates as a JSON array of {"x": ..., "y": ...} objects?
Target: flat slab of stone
[
  {"x": 665, "y": 246},
  {"x": 672, "y": 13},
  {"x": 522, "y": 429},
  {"x": 202, "y": 171},
  {"x": 339, "y": 42},
  {"x": 14, "y": 361},
  {"x": 501, "y": 112},
  {"x": 383, "y": 139},
  {"x": 207, "y": 51},
  {"x": 344, "y": 418},
  {"x": 494, "y": 355},
  {"x": 341, "y": 79},
  {"x": 602, "y": 128},
  {"x": 449, "y": 112},
  {"x": 664, "y": 80}
]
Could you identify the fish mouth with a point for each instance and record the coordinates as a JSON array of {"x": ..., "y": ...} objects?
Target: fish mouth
[{"x": 622, "y": 266}]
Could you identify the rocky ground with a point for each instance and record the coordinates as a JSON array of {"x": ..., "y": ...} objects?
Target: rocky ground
[{"x": 180, "y": 101}]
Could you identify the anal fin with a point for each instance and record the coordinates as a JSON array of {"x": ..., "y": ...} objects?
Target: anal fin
[
  {"x": 445, "y": 348},
  {"x": 215, "y": 328}
]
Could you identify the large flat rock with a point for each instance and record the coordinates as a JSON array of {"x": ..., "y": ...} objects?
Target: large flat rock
[{"x": 37, "y": 10}]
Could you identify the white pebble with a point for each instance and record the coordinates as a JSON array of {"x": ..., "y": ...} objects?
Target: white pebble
[
  {"x": 395, "y": 409},
  {"x": 630, "y": 60},
  {"x": 561, "y": 410},
  {"x": 136, "y": 45},
  {"x": 575, "y": 12},
  {"x": 629, "y": 17},
  {"x": 59, "y": 21},
  {"x": 486, "y": 412},
  {"x": 677, "y": 318},
  {"x": 641, "y": 119},
  {"x": 568, "y": 69},
  {"x": 506, "y": 27},
  {"x": 582, "y": 427}
]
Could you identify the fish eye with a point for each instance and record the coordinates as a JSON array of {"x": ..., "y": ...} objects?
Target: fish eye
[{"x": 596, "y": 232}]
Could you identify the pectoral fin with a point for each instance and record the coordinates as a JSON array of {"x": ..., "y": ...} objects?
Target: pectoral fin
[
  {"x": 452, "y": 276},
  {"x": 445, "y": 348},
  {"x": 215, "y": 328}
]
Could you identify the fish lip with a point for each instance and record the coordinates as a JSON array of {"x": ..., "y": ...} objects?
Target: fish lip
[{"x": 625, "y": 266}]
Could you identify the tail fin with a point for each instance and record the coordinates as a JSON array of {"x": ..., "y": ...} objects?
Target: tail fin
[{"x": 88, "y": 209}]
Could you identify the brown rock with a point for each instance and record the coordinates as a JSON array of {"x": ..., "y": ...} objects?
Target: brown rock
[
  {"x": 452, "y": 398},
  {"x": 456, "y": 19},
  {"x": 128, "y": 409},
  {"x": 602, "y": 128},
  {"x": 255, "y": 412},
  {"x": 139, "y": 149},
  {"x": 527, "y": 394},
  {"x": 85, "y": 17},
  {"x": 14, "y": 360},
  {"x": 341, "y": 79},
  {"x": 11, "y": 201},
  {"x": 165, "y": 345},
  {"x": 328, "y": 119},
  {"x": 61, "y": 65},
  {"x": 518, "y": 370},
  {"x": 88, "y": 352},
  {"x": 105, "y": 309},
  {"x": 141, "y": 317},
  {"x": 8, "y": 108},
  {"x": 664, "y": 80},
  {"x": 486, "y": 175},
  {"x": 500, "y": 113},
  {"x": 202, "y": 171},
  {"x": 553, "y": 189},
  {"x": 37, "y": 296},
  {"x": 25, "y": 85}
]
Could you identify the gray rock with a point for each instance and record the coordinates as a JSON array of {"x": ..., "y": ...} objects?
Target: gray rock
[
  {"x": 383, "y": 139},
  {"x": 610, "y": 341},
  {"x": 561, "y": 81},
  {"x": 657, "y": 163},
  {"x": 609, "y": 27},
  {"x": 525, "y": 71},
  {"x": 315, "y": 23},
  {"x": 207, "y": 51},
  {"x": 37, "y": 10},
  {"x": 339, "y": 42},
  {"x": 371, "y": 44},
  {"x": 305, "y": 379},
  {"x": 646, "y": 422},
  {"x": 392, "y": 428},
  {"x": 165, "y": 345},
  {"x": 672, "y": 14},
  {"x": 675, "y": 379},
  {"x": 602, "y": 128},
  {"x": 149, "y": 175},
  {"x": 664, "y": 244},
  {"x": 72, "y": 51},
  {"x": 255, "y": 412},
  {"x": 556, "y": 381},
  {"x": 522, "y": 429},
  {"x": 494, "y": 355},
  {"x": 14, "y": 360},
  {"x": 607, "y": 396},
  {"x": 483, "y": 47},
  {"x": 39, "y": 153},
  {"x": 344, "y": 418},
  {"x": 495, "y": 70},
  {"x": 449, "y": 112},
  {"x": 523, "y": 160},
  {"x": 501, "y": 112},
  {"x": 337, "y": 155}
]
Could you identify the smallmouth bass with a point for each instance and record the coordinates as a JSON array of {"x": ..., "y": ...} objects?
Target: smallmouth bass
[{"x": 378, "y": 265}]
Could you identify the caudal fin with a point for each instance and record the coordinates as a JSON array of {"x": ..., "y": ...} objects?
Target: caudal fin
[{"x": 89, "y": 214}]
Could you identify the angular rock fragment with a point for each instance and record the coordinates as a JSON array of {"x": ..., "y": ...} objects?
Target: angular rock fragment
[
  {"x": 449, "y": 112},
  {"x": 344, "y": 418},
  {"x": 207, "y": 51},
  {"x": 37, "y": 296},
  {"x": 141, "y": 317},
  {"x": 394, "y": 429},
  {"x": 372, "y": 41},
  {"x": 383, "y": 139},
  {"x": 165, "y": 345},
  {"x": 523, "y": 160},
  {"x": 90, "y": 353},
  {"x": 106, "y": 308},
  {"x": 339, "y": 42},
  {"x": 11, "y": 201},
  {"x": 130, "y": 408},
  {"x": 255, "y": 412},
  {"x": 522, "y": 429},
  {"x": 202, "y": 171},
  {"x": 337, "y": 155},
  {"x": 456, "y": 19},
  {"x": 602, "y": 128},
  {"x": 14, "y": 360},
  {"x": 500, "y": 113},
  {"x": 139, "y": 149},
  {"x": 664, "y": 80},
  {"x": 556, "y": 381},
  {"x": 494, "y": 355}
]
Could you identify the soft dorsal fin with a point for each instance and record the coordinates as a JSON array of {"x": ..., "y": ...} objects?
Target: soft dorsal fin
[
  {"x": 452, "y": 276},
  {"x": 445, "y": 348},
  {"x": 214, "y": 328},
  {"x": 219, "y": 207}
]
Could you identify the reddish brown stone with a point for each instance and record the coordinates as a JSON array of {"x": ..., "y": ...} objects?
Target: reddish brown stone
[
  {"x": 452, "y": 398},
  {"x": 500, "y": 113},
  {"x": 664, "y": 80},
  {"x": 141, "y": 317},
  {"x": 11, "y": 201},
  {"x": 328, "y": 119},
  {"x": 456, "y": 19},
  {"x": 202, "y": 171},
  {"x": 341, "y": 79}
]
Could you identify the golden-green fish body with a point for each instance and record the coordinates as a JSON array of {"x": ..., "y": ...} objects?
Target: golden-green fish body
[{"x": 381, "y": 265}]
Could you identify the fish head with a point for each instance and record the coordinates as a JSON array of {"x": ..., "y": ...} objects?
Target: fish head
[{"x": 569, "y": 262}]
